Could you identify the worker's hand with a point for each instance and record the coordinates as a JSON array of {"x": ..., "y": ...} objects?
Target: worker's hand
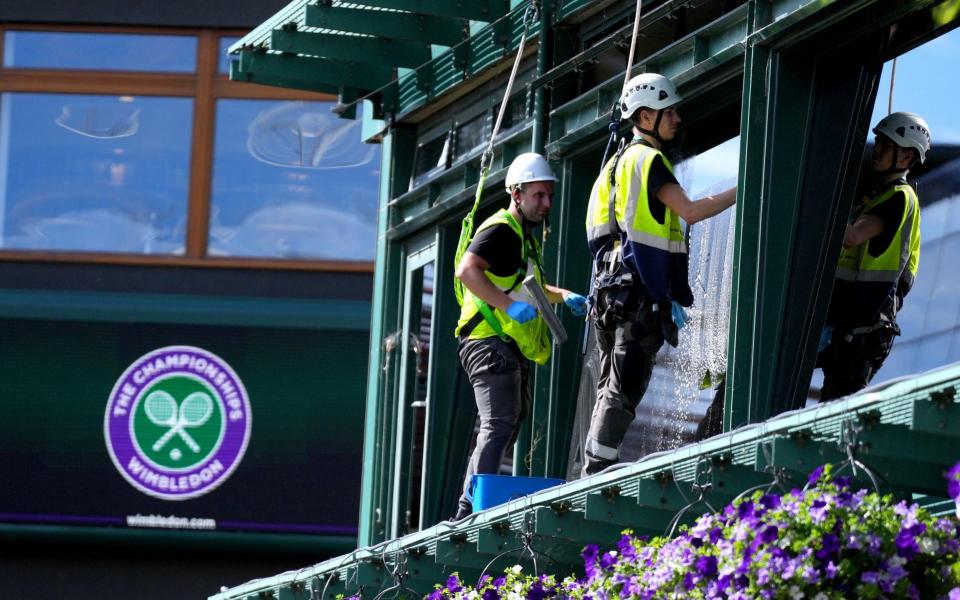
[
  {"x": 521, "y": 312},
  {"x": 825, "y": 337},
  {"x": 576, "y": 303},
  {"x": 679, "y": 315}
]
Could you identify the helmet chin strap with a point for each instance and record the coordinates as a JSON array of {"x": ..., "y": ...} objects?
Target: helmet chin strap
[
  {"x": 655, "y": 133},
  {"x": 893, "y": 168}
]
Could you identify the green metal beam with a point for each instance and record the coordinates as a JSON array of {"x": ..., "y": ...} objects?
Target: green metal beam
[
  {"x": 374, "y": 50},
  {"x": 475, "y": 10},
  {"x": 261, "y": 77},
  {"x": 321, "y": 70},
  {"x": 405, "y": 26}
]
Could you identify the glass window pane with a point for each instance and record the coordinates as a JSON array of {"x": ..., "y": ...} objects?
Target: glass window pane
[
  {"x": 94, "y": 173},
  {"x": 292, "y": 180},
  {"x": 944, "y": 303},
  {"x": 105, "y": 51},
  {"x": 225, "y": 43}
]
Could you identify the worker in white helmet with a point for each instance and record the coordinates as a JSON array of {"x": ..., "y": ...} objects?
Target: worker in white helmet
[
  {"x": 500, "y": 331},
  {"x": 878, "y": 263},
  {"x": 634, "y": 233}
]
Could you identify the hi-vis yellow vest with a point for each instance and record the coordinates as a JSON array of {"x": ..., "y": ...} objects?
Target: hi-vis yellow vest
[
  {"x": 531, "y": 337},
  {"x": 632, "y": 208},
  {"x": 901, "y": 256}
]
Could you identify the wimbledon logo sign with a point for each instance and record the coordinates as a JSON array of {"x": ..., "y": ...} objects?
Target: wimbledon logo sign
[{"x": 177, "y": 422}]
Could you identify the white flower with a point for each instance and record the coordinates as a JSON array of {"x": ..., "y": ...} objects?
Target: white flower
[
  {"x": 795, "y": 593},
  {"x": 928, "y": 545},
  {"x": 821, "y": 596},
  {"x": 516, "y": 569}
]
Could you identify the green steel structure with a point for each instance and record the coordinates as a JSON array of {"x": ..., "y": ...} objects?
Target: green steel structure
[{"x": 795, "y": 78}]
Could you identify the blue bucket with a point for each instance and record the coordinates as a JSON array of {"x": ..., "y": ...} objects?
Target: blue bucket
[{"x": 493, "y": 490}]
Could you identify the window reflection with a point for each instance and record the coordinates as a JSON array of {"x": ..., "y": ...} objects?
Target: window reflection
[
  {"x": 103, "y": 51},
  {"x": 292, "y": 180},
  {"x": 94, "y": 173}
]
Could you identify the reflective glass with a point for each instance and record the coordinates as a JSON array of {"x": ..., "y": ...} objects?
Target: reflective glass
[
  {"x": 104, "y": 51},
  {"x": 94, "y": 173},
  {"x": 292, "y": 180},
  {"x": 932, "y": 351},
  {"x": 224, "y": 58},
  {"x": 944, "y": 306}
]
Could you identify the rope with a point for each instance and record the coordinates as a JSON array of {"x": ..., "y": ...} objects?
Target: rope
[
  {"x": 633, "y": 45},
  {"x": 486, "y": 159},
  {"x": 893, "y": 77}
]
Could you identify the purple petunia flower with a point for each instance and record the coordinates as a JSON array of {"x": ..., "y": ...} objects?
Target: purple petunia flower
[
  {"x": 815, "y": 475},
  {"x": 953, "y": 483},
  {"x": 706, "y": 566},
  {"x": 491, "y": 594},
  {"x": 435, "y": 595}
]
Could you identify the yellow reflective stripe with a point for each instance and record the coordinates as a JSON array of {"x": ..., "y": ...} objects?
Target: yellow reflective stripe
[{"x": 655, "y": 241}]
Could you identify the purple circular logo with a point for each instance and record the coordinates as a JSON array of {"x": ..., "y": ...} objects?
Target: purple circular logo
[{"x": 177, "y": 422}]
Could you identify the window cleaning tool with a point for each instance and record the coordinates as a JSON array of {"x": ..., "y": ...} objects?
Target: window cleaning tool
[{"x": 545, "y": 309}]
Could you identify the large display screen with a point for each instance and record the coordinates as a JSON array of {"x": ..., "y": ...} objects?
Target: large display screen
[{"x": 181, "y": 427}]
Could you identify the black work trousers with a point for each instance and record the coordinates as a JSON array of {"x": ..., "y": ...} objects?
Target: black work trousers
[
  {"x": 500, "y": 375},
  {"x": 851, "y": 361},
  {"x": 628, "y": 339}
]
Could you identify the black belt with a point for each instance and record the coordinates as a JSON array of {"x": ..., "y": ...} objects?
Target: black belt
[{"x": 470, "y": 325}]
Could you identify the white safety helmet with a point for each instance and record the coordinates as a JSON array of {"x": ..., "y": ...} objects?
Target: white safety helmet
[
  {"x": 907, "y": 130},
  {"x": 528, "y": 167},
  {"x": 650, "y": 90}
]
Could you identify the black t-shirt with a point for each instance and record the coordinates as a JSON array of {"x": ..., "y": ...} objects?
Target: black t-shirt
[
  {"x": 499, "y": 246},
  {"x": 658, "y": 176}
]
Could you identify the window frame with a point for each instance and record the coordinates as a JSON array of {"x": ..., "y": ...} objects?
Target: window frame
[{"x": 205, "y": 86}]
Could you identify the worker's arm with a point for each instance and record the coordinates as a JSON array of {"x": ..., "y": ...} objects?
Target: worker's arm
[
  {"x": 555, "y": 294},
  {"x": 470, "y": 272},
  {"x": 574, "y": 301},
  {"x": 862, "y": 230},
  {"x": 672, "y": 195}
]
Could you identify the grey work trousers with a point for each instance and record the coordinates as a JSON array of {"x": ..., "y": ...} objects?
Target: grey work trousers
[
  {"x": 499, "y": 375},
  {"x": 627, "y": 347}
]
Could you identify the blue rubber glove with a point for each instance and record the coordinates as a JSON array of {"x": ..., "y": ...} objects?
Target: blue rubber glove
[
  {"x": 576, "y": 303},
  {"x": 521, "y": 312},
  {"x": 825, "y": 337},
  {"x": 679, "y": 315}
]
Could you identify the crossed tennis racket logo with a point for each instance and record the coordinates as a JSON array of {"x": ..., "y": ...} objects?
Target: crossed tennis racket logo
[{"x": 162, "y": 410}]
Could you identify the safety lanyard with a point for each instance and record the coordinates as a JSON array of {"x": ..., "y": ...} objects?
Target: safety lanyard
[{"x": 486, "y": 159}]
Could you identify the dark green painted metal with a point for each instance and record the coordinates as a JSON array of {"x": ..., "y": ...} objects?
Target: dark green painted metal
[
  {"x": 464, "y": 554},
  {"x": 475, "y": 10},
  {"x": 728, "y": 481},
  {"x": 571, "y": 526},
  {"x": 374, "y": 499},
  {"x": 624, "y": 510},
  {"x": 99, "y": 538},
  {"x": 937, "y": 416},
  {"x": 371, "y": 573},
  {"x": 322, "y": 70},
  {"x": 404, "y": 26},
  {"x": 901, "y": 442},
  {"x": 374, "y": 50},
  {"x": 268, "y": 78},
  {"x": 200, "y": 310}
]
